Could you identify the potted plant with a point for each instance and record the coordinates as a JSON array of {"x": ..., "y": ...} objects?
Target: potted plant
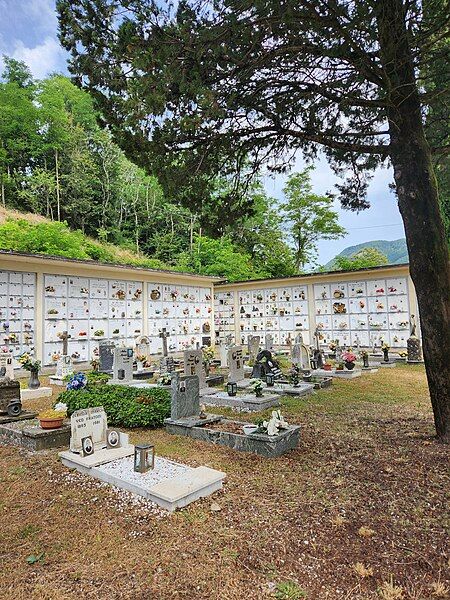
[
  {"x": 95, "y": 364},
  {"x": 99, "y": 333},
  {"x": 385, "y": 348},
  {"x": 77, "y": 381},
  {"x": 115, "y": 332},
  {"x": 165, "y": 379},
  {"x": 51, "y": 419},
  {"x": 349, "y": 360},
  {"x": 256, "y": 386},
  {"x": 34, "y": 366},
  {"x": 208, "y": 356},
  {"x": 140, "y": 360},
  {"x": 327, "y": 366},
  {"x": 340, "y": 366}
]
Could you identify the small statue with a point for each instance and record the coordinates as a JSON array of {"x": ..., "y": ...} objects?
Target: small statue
[{"x": 413, "y": 326}]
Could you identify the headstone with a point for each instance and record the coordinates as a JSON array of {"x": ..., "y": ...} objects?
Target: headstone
[
  {"x": 64, "y": 367},
  {"x": 185, "y": 396},
  {"x": 164, "y": 335},
  {"x": 413, "y": 344},
  {"x": 300, "y": 355},
  {"x": 88, "y": 422},
  {"x": 122, "y": 364},
  {"x": 268, "y": 342},
  {"x": 6, "y": 366},
  {"x": 223, "y": 353},
  {"x": 10, "y": 397},
  {"x": 142, "y": 345},
  {"x": 106, "y": 356},
  {"x": 235, "y": 363},
  {"x": 166, "y": 365},
  {"x": 253, "y": 346},
  {"x": 193, "y": 365},
  {"x": 64, "y": 337}
]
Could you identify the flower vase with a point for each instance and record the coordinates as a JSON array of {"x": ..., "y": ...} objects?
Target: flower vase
[
  {"x": 258, "y": 393},
  {"x": 33, "y": 382},
  {"x": 386, "y": 355},
  {"x": 139, "y": 365},
  {"x": 349, "y": 365}
]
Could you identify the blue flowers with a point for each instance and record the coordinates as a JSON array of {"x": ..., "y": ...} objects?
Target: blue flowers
[{"x": 77, "y": 382}]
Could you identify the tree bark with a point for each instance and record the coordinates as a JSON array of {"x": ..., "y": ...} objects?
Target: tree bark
[
  {"x": 419, "y": 206},
  {"x": 58, "y": 199}
]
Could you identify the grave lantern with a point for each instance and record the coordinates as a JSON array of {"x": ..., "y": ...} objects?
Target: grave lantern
[
  {"x": 270, "y": 379},
  {"x": 144, "y": 458},
  {"x": 232, "y": 388}
]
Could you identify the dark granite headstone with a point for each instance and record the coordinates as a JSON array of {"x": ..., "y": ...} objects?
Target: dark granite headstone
[
  {"x": 185, "y": 396},
  {"x": 106, "y": 356}
]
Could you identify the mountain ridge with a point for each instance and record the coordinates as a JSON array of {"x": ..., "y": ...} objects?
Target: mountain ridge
[{"x": 395, "y": 250}]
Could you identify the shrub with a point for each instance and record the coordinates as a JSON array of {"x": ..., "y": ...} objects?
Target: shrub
[
  {"x": 124, "y": 406},
  {"x": 97, "y": 378}
]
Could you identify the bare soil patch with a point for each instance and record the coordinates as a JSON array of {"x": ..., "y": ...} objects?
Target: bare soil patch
[{"x": 360, "y": 510}]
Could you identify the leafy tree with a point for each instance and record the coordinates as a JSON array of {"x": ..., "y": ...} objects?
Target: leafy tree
[
  {"x": 364, "y": 258},
  {"x": 217, "y": 257},
  {"x": 16, "y": 71},
  {"x": 259, "y": 80},
  {"x": 261, "y": 236},
  {"x": 308, "y": 217},
  {"x": 19, "y": 137}
]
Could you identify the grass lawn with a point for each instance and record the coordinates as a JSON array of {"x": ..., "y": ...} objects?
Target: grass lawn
[{"x": 359, "y": 511}]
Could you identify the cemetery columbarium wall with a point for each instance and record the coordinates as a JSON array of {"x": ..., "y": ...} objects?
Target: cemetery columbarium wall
[
  {"x": 366, "y": 306},
  {"x": 41, "y": 297}
]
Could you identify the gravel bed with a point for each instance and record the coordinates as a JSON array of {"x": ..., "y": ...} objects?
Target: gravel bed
[{"x": 164, "y": 469}]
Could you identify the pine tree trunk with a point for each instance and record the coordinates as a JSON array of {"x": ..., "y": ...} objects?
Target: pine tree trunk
[
  {"x": 58, "y": 199},
  {"x": 419, "y": 206}
]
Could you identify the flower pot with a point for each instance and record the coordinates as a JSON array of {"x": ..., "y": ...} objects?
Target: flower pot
[
  {"x": 139, "y": 365},
  {"x": 51, "y": 423},
  {"x": 327, "y": 367},
  {"x": 349, "y": 365},
  {"x": 33, "y": 382},
  {"x": 248, "y": 429},
  {"x": 258, "y": 393}
]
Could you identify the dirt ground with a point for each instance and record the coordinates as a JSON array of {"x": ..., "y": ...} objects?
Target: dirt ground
[{"x": 359, "y": 511}]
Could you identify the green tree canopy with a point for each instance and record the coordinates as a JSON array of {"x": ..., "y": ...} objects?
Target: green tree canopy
[
  {"x": 364, "y": 258},
  {"x": 308, "y": 217}
]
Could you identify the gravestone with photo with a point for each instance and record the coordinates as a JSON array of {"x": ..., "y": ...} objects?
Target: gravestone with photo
[
  {"x": 64, "y": 365},
  {"x": 122, "y": 366},
  {"x": 10, "y": 402},
  {"x": 6, "y": 366}
]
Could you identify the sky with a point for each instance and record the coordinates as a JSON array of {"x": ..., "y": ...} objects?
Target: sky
[{"x": 28, "y": 32}]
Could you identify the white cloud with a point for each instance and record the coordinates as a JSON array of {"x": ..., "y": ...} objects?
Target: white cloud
[{"x": 43, "y": 58}]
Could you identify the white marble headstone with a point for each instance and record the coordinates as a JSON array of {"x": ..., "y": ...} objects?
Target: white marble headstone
[
  {"x": 6, "y": 366},
  {"x": 236, "y": 364},
  {"x": 64, "y": 367},
  {"x": 88, "y": 422},
  {"x": 193, "y": 365}
]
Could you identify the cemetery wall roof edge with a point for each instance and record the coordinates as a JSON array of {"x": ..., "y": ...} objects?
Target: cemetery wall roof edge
[
  {"x": 390, "y": 270},
  {"x": 24, "y": 261}
]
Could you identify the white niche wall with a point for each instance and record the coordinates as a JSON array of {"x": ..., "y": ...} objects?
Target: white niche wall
[
  {"x": 17, "y": 318},
  {"x": 369, "y": 311},
  {"x": 184, "y": 311},
  {"x": 90, "y": 310},
  {"x": 280, "y": 311}
]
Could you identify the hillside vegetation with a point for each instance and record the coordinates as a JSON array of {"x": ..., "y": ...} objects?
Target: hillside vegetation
[{"x": 395, "y": 251}]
